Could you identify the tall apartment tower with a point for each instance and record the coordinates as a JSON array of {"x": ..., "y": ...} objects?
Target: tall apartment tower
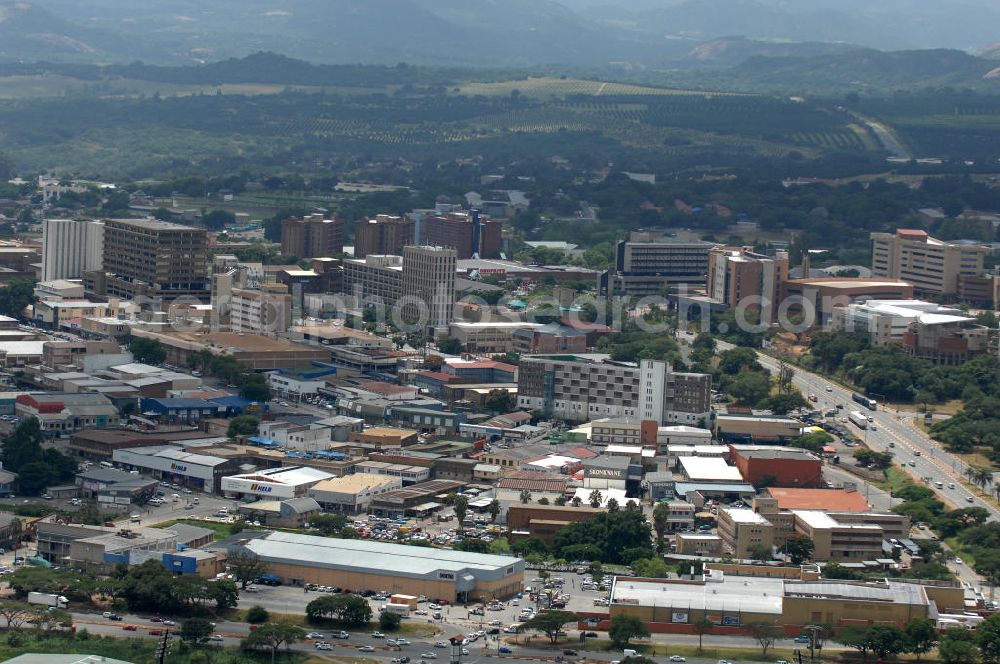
[
  {"x": 312, "y": 236},
  {"x": 429, "y": 276},
  {"x": 155, "y": 259},
  {"x": 71, "y": 247},
  {"x": 932, "y": 266},
  {"x": 737, "y": 274},
  {"x": 383, "y": 234},
  {"x": 467, "y": 233}
]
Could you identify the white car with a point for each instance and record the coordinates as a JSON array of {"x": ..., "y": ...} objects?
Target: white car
[
  {"x": 465, "y": 651},
  {"x": 677, "y": 658},
  {"x": 428, "y": 655},
  {"x": 440, "y": 644},
  {"x": 366, "y": 649},
  {"x": 402, "y": 642},
  {"x": 216, "y": 637},
  {"x": 315, "y": 635},
  {"x": 434, "y": 606},
  {"x": 324, "y": 646}
]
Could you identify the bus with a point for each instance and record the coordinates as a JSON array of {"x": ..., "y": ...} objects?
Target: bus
[
  {"x": 870, "y": 404},
  {"x": 860, "y": 419}
]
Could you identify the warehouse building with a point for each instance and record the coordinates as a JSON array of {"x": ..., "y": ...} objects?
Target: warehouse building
[
  {"x": 361, "y": 565},
  {"x": 277, "y": 483},
  {"x": 777, "y": 466},
  {"x": 789, "y": 597},
  {"x": 171, "y": 464},
  {"x": 353, "y": 494}
]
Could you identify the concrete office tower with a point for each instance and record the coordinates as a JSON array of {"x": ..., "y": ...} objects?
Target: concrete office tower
[
  {"x": 383, "y": 234},
  {"x": 155, "y": 259},
  {"x": 467, "y": 233},
  {"x": 267, "y": 311},
  {"x": 71, "y": 247},
  {"x": 312, "y": 236},
  {"x": 737, "y": 274},
  {"x": 650, "y": 264},
  {"x": 429, "y": 276},
  {"x": 931, "y": 265}
]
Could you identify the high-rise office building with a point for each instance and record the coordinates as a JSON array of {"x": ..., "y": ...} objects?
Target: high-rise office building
[
  {"x": 649, "y": 264},
  {"x": 153, "y": 258},
  {"x": 312, "y": 236},
  {"x": 468, "y": 233},
  {"x": 71, "y": 247},
  {"x": 737, "y": 275},
  {"x": 429, "y": 276},
  {"x": 267, "y": 311},
  {"x": 382, "y": 234},
  {"x": 931, "y": 265}
]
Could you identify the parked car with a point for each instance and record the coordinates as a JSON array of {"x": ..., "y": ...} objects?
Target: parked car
[
  {"x": 677, "y": 658},
  {"x": 504, "y": 650},
  {"x": 130, "y": 628}
]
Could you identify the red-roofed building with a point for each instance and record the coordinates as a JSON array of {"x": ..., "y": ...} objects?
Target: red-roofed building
[
  {"x": 390, "y": 391},
  {"x": 831, "y": 500},
  {"x": 432, "y": 381}
]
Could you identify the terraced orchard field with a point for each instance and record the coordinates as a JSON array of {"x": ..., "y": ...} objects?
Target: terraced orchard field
[{"x": 550, "y": 86}]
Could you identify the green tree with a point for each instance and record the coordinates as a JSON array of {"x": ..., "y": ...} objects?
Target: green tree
[
  {"x": 855, "y": 637},
  {"x": 245, "y": 565},
  {"x": 389, "y": 621},
  {"x": 449, "y": 345},
  {"x": 15, "y": 296},
  {"x": 224, "y": 593},
  {"x": 195, "y": 629},
  {"x": 765, "y": 634},
  {"x": 886, "y": 640},
  {"x": 624, "y": 628},
  {"x": 525, "y": 496},
  {"x": 243, "y": 425},
  {"x": 988, "y": 635},
  {"x": 650, "y": 568},
  {"x": 494, "y": 509},
  {"x": 551, "y": 622},
  {"x": 217, "y": 219},
  {"x": 595, "y": 498},
  {"x": 921, "y": 636},
  {"x": 702, "y": 626},
  {"x": 661, "y": 520},
  {"x": 15, "y": 613},
  {"x": 499, "y": 401},
  {"x": 749, "y": 388},
  {"x": 351, "y": 610},
  {"x": 147, "y": 351},
  {"x": 254, "y": 387},
  {"x": 272, "y": 636},
  {"x": 328, "y": 524},
  {"x": 958, "y": 646},
  {"x": 620, "y": 537},
  {"x": 759, "y": 552},
  {"x": 461, "y": 507},
  {"x": 798, "y": 549},
  {"x": 472, "y": 545},
  {"x": 257, "y": 615}
]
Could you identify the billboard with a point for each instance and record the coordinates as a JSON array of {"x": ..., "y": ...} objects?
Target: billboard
[{"x": 678, "y": 617}]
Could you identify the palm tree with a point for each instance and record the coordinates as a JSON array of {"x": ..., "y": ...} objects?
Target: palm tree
[
  {"x": 525, "y": 496},
  {"x": 595, "y": 498},
  {"x": 494, "y": 509},
  {"x": 576, "y": 501},
  {"x": 984, "y": 477}
]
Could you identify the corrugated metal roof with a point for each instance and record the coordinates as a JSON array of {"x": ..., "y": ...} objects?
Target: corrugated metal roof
[{"x": 367, "y": 556}]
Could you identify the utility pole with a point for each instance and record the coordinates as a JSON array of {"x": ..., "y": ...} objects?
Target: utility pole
[{"x": 163, "y": 647}]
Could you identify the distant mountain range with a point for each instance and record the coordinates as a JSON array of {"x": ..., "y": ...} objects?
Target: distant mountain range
[{"x": 652, "y": 34}]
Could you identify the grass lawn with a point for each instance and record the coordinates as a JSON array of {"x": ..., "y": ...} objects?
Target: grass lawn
[
  {"x": 895, "y": 480},
  {"x": 221, "y": 530}
]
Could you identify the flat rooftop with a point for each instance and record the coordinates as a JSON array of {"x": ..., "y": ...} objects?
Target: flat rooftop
[
  {"x": 743, "y": 515},
  {"x": 743, "y": 594},
  {"x": 370, "y": 557},
  {"x": 709, "y": 468},
  {"x": 833, "y": 500},
  {"x": 355, "y": 483},
  {"x": 231, "y": 341}
]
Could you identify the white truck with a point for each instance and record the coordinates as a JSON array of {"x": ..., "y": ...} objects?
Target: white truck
[
  {"x": 49, "y": 600},
  {"x": 859, "y": 419},
  {"x": 402, "y": 610}
]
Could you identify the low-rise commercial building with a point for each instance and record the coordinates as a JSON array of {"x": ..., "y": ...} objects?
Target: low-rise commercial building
[
  {"x": 361, "y": 565},
  {"x": 544, "y": 521},
  {"x": 352, "y": 494},
  {"x": 777, "y": 466},
  {"x": 750, "y": 429},
  {"x": 61, "y": 414},
  {"x": 699, "y": 544},
  {"x": 408, "y": 474},
  {"x": 823, "y": 295},
  {"x": 172, "y": 464},
  {"x": 885, "y": 321},
  {"x": 281, "y": 483},
  {"x": 743, "y": 530},
  {"x": 291, "y": 513}
]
